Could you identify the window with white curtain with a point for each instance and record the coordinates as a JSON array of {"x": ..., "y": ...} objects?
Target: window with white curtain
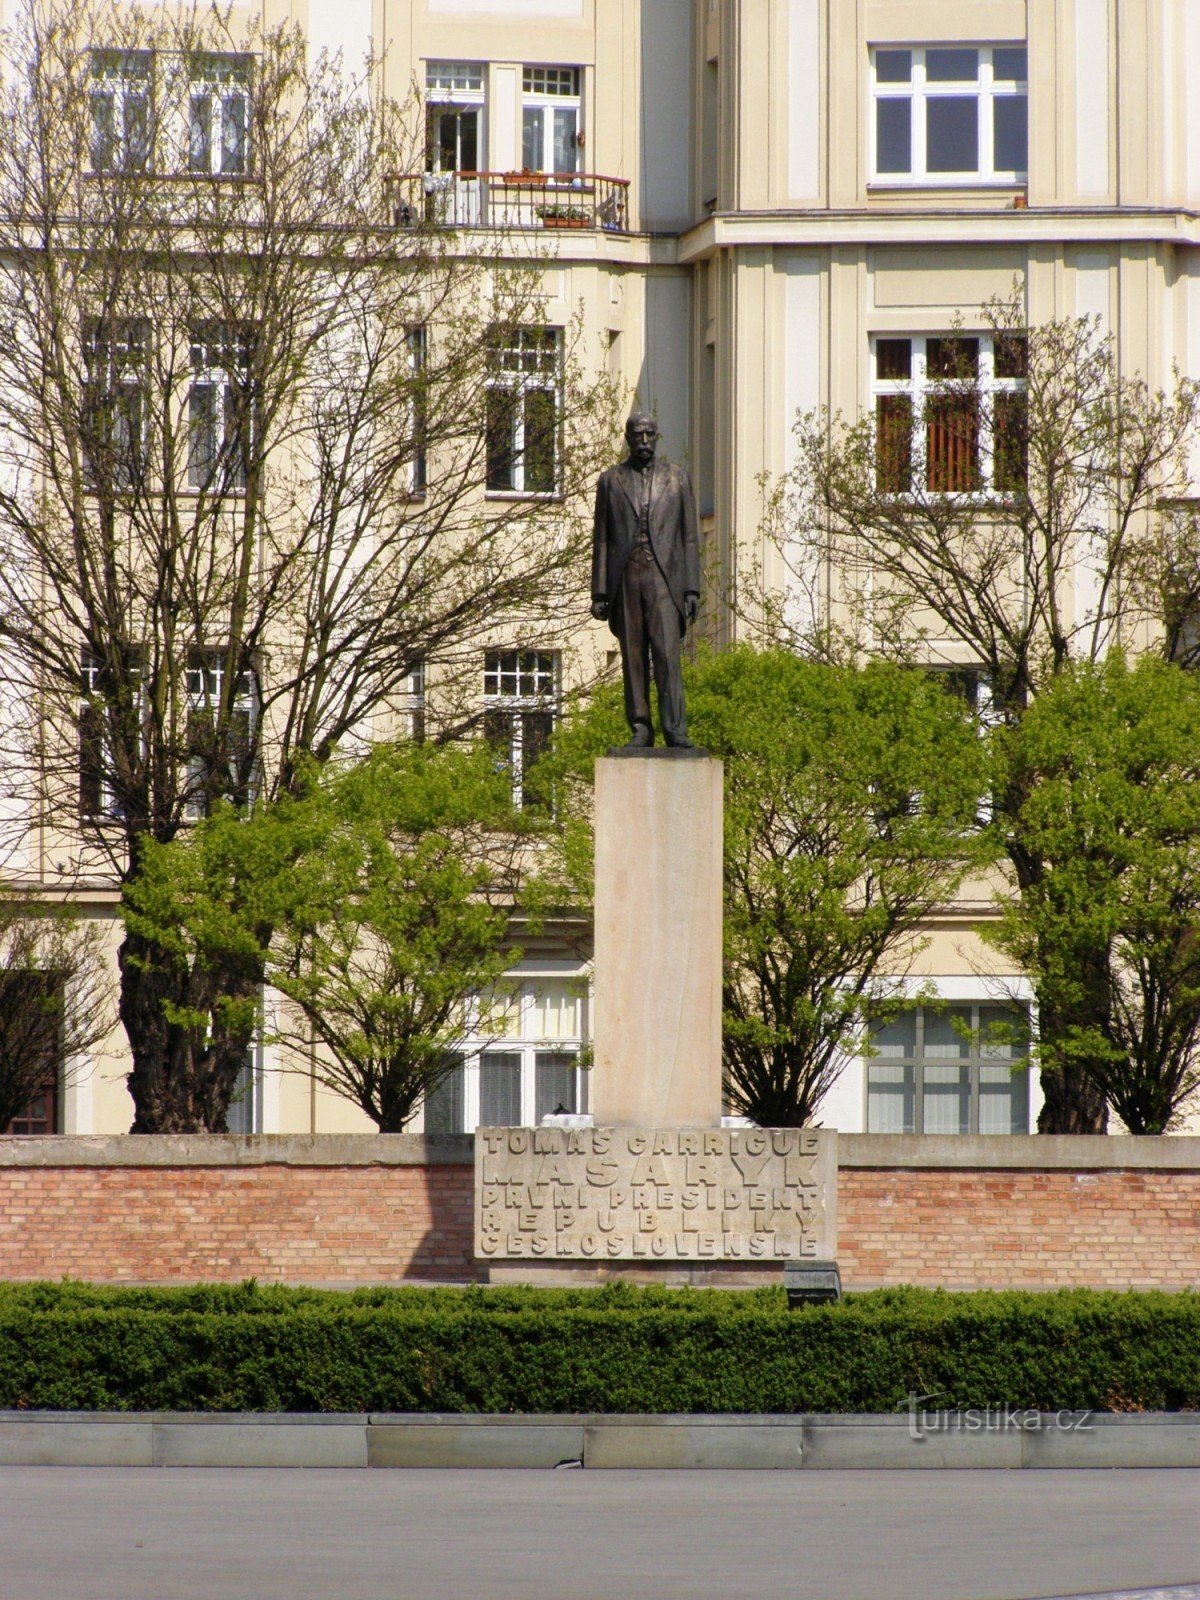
[
  {"x": 551, "y": 111},
  {"x": 526, "y": 1069},
  {"x": 219, "y": 115},
  {"x": 220, "y": 406},
  {"x": 121, "y": 106},
  {"x": 949, "y": 1069}
]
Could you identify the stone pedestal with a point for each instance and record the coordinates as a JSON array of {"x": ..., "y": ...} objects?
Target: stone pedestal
[{"x": 657, "y": 1016}]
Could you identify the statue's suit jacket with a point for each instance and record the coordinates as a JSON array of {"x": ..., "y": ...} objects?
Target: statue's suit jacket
[{"x": 673, "y": 533}]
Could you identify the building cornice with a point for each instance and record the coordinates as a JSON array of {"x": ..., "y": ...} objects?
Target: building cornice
[{"x": 1089, "y": 225}]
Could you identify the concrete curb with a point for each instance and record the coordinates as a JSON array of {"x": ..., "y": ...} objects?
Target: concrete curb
[{"x": 923, "y": 1440}]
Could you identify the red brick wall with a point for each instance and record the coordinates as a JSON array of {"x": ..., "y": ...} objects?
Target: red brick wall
[
  {"x": 352, "y": 1224},
  {"x": 1016, "y": 1228},
  {"x": 293, "y": 1224}
]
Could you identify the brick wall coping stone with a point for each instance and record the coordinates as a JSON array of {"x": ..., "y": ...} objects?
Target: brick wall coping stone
[
  {"x": 1038, "y": 1152},
  {"x": 985, "y": 1440},
  {"x": 237, "y": 1150},
  {"x": 986, "y": 1152}
]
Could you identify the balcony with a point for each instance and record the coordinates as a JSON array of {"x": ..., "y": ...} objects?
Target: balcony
[{"x": 507, "y": 200}]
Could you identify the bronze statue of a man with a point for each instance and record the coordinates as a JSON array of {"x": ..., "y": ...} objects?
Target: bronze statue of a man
[{"x": 646, "y": 577}]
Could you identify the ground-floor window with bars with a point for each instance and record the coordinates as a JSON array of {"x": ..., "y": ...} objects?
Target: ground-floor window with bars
[
  {"x": 949, "y": 1069},
  {"x": 950, "y": 414}
]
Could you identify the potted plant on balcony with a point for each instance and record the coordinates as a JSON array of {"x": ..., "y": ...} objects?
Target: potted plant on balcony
[{"x": 564, "y": 216}]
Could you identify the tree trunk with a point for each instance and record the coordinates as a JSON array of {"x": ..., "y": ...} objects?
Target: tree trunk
[
  {"x": 148, "y": 983},
  {"x": 1073, "y": 1103},
  {"x": 182, "y": 1079}
]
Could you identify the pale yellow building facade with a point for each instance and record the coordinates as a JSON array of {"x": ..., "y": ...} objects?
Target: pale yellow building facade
[{"x": 738, "y": 200}]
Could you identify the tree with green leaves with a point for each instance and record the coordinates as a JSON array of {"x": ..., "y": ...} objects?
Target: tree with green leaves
[
  {"x": 402, "y": 942},
  {"x": 851, "y": 798},
  {"x": 250, "y": 405},
  {"x": 1107, "y": 762},
  {"x": 1018, "y": 502},
  {"x": 376, "y": 902}
]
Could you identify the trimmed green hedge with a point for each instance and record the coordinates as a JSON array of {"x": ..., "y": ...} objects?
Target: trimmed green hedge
[{"x": 241, "y": 1347}]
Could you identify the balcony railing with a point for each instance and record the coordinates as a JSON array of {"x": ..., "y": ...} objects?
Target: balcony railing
[{"x": 581, "y": 200}]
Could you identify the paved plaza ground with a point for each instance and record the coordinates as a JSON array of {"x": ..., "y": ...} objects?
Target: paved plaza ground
[{"x": 238, "y": 1534}]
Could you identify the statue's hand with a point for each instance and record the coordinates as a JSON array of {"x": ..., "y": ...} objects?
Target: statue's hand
[
  {"x": 691, "y": 604},
  {"x": 600, "y": 607}
]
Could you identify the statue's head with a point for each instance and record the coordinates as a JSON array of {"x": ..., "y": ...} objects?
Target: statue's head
[{"x": 641, "y": 435}]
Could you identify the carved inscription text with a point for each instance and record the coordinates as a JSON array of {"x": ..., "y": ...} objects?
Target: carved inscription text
[{"x": 662, "y": 1194}]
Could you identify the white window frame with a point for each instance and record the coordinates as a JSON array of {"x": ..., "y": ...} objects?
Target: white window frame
[
  {"x": 545, "y": 90},
  {"x": 975, "y": 687},
  {"x": 246, "y": 1108},
  {"x": 530, "y": 362},
  {"x": 219, "y": 360},
  {"x": 417, "y": 345},
  {"x": 521, "y": 1039},
  {"x": 459, "y": 86},
  {"x": 222, "y": 83},
  {"x": 413, "y": 701},
  {"x": 536, "y": 687},
  {"x": 204, "y": 678},
  {"x": 92, "y": 701},
  {"x": 121, "y": 78},
  {"x": 919, "y": 386},
  {"x": 455, "y": 82},
  {"x": 117, "y": 370},
  {"x": 93, "y": 706},
  {"x": 985, "y": 89}
]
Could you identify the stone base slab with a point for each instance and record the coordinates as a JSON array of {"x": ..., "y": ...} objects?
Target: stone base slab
[{"x": 662, "y": 1275}]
